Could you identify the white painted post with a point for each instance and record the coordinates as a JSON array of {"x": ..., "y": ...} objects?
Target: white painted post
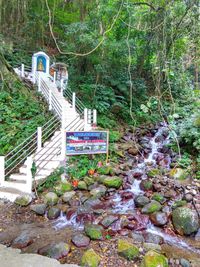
[
  {"x": 39, "y": 138},
  {"x": 2, "y": 170},
  {"x": 29, "y": 177},
  {"x": 39, "y": 82},
  {"x": 50, "y": 99},
  {"x": 63, "y": 118},
  {"x": 74, "y": 101},
  {"x": 63, "y": 144},
  {"x": 22, "y": 70},
  {"x": 89, "y": 117},
  {"x": 85, "y": 119},
  {"x": 94, "y": 117},
  {"x": 61, "y": 86},
  {"x": 54, "y": 77}
]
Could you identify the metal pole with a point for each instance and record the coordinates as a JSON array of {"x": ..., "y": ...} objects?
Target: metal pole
[
  {"x": 50, "y": 99},
  {"x": 85, "y": 119},
  {"x": 39, "y": 138},
  {"x": 94, "y": 117},
  {"x": 2, "y": 170},
  {"x": 22, "y": 70},
  {"x": 74, "y": 101}
]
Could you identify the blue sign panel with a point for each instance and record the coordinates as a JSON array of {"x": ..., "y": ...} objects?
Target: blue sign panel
[{"x": 79, "y": 143}]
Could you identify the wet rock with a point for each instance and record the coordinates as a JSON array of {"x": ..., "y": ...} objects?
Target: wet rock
[
  {"x": 85, "y": 218},
  {"x": 70, "y": 213},
  {"x": 153, "y": 173},
  {"x": 185, "y": 220},
  {"x": 24, "y": 200},
  {"x": 90, "y": 259},
  {"x": 185, "y": 263},
  {"x": 51, "y": 199},
  {"x": 80, "y": 240},
  {"x": 108, "y": 220},
  {"x": 151, "y": 207},
  {"x": 82, "y": 185},
  {"x": 94, "y": 231},
  {"x": 146, "y": 185},
  {"x": 91, "y": 202},
  {"x": 39, "y": 209},
  {"x": 126, "y": 195},
  {"x": 89, "y": 181},
  {"x": 68, "y": 196},
  {"x": 159, "y": 218},
  {"x": 23, "y": 240},
  {"x": 113, "y": 182},
  {"x": 53, "y": 213},
  {"x": 141, "y": 201},
  {"x": 153, "y": 238},
  {"x": 159, "y": 138},
  {"x": 127, "y": 250},
  {"x": 55, "y": 251},
  {"x": 99, "y": 191},
  {"x": 154, "y": 259},
  {"x": 74, "y": 202}
]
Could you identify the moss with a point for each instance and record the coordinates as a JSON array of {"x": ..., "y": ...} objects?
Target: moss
[
  {"x": 151, "y": 207},
  {"x": 158, "y": 197},
  {"x": 154, "y": 259},
  {"x": 127, "y": 250},
  {"x": 90, "y": 259},
  {"x": 94, "y": 231},
  {"x": 113, "y": 182}
]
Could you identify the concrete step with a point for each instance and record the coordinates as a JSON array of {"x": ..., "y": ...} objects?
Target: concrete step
[
  {"x": 18, "y": 177},
  {"x": 10, "y": 193},
  {"x": 19, "y": 186}
]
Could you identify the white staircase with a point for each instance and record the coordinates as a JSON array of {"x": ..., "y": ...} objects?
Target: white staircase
[{"x": 46, "y": 147}]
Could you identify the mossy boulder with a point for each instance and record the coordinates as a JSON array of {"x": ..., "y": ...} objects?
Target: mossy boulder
[
  {"x": 141, "y": 201},
  {"x": 158, "y": 197},
  {"x": 55, "y": 251},
  {"x": 94, "y": 231},
  {"x": 89, "y": 180},
  {"x": 82, "y": 185},
  {"x": 51, "y": 199},
  {"x": 151, "y": 207},
  {"x": 178, "y": 173},
  {"x": 106, "y": 170},
  {"x": 98, "y": 191},
  {"x": 67, "y": 196},
  {"x": 154, "y": 259},
  {"x": 63, "y": 187},
  {"x": 23, "y": 201},
  {"x": 127, "y": 250},
  {"x": 53, "y": 213},
  {"x": 153, "y": 173},
  {"x": 146, "y": 185},
  {"x": 179, "y": 203},
  {"x": 185, "y": 220},
  {"x": 113, "y": 182},
  {"x": 90, "y": 259}
]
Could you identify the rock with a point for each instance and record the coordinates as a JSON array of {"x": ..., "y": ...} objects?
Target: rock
[
  {"x": 179, "y": 203},
  {"x": 159, "y": 218},
  {"x": 137, "y": 237},
  {"x": 133, "y": 151},
  {"x": 185, "y": 220},
  {"x": 178, "y": 173},
  {"x": 55, "y": 251},
  {"x": 39, "y": 209},
  {"x": 185, "y": 263},
  {"x": 24, "y": 200},
  {"x": 108, "y": 220},
  {"x": 141, "y": 201},
  {"x": 188, "y": 197},
  {"x": 153, "y": 238},
  {"x": 99, "y": 191},
  {"x": 82, "y": 185},
  {"x": 151, "y": 207},
  {"x": 23, "y": 240},
  {"x": 152, "y": 246},
  {"x": 197, "y": 236},
  {"x": 80, "y": 240},
  {"x": 91, "y": 202},
  {"x": 146, "y": 185},
  {"x": 53, "y": 213},
  {"x": 94, "y": 231},
  {"x": 154, "y": 259},
  {"x": 90, "y": 259},
  {"x": 106, "y": 170},
  {"x": 153, "y": 173},
  {"x": 158, "y": 197},
  {"x": 127, "y": 250},
  {"x": 51, "y": 199},
  {"x": 63, "y": 187},
  {"x": 170, "y": 193},
  {"x": 113, "y": 182},
  {"x": 68, "y": 196}
]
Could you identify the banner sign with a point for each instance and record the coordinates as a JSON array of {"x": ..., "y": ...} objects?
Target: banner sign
[{"x": 79, "y": 143}]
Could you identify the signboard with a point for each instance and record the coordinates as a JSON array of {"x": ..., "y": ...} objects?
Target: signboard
[{"x": 79, "y": 143}]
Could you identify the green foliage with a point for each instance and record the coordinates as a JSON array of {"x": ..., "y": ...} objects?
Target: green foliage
[{"x": 51, "y": 180}]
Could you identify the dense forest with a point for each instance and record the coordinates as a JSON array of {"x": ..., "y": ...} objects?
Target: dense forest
[{"x": 137, "y": 62}]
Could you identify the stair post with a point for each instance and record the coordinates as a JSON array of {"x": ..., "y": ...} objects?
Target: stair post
[
  {"x": 29, "y": 177},
  {"x": 74, "y": 101},
  {"x": 2, "y": 170},
  {"x": 94, "y": 117},
  {"x": 85, "y": 119},
  {"x": 50, "y": 99},
  {"x": 39, "y": 138},
  {"x": 61, "y": 86},
  {"x": 63, "y": 144},
  {"x": 54, "y": 77},
  {"x": 22, "y": 70},
  {"x": 39, "y": 82}
]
